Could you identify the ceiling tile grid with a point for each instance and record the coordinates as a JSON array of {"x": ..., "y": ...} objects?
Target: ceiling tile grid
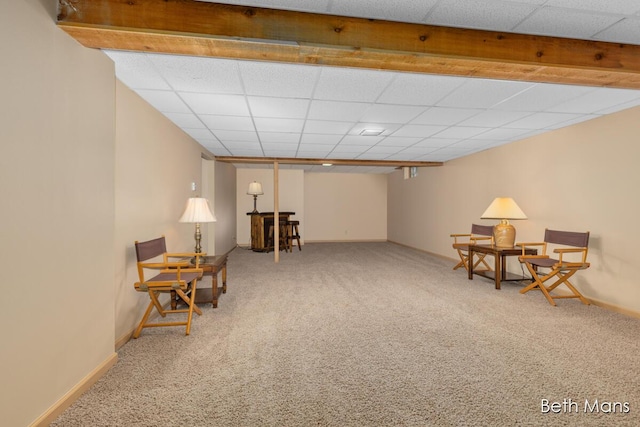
[{"x": 263, "y": 109}]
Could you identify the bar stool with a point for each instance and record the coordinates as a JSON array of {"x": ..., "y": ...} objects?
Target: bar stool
[
  {"x": 293, "y": 233},
  {"x": 284, "y": 236}
]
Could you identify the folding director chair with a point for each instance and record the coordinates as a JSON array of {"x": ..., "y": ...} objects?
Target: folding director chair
[
  {"x": 558, "y": 270},
  {"x": 174, "y": 278},
  {"x": 461, "y": 243}
]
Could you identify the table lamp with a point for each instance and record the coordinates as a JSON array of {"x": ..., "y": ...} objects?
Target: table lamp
[
  {"x": 504, "y": 209},
  {"x": 255, "y": 189},
  {"x": 197, "y": 211}
]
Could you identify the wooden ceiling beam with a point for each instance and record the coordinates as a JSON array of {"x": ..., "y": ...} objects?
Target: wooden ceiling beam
[
  {"x": 333, "y": 162},
  {"x": 227, "y": 31}
]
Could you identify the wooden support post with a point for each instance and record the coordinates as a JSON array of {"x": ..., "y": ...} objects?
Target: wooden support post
[{"x": 276, "y": 215}]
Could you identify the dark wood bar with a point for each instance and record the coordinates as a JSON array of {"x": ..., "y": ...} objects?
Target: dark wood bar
[{"x": 260, "y": 223}]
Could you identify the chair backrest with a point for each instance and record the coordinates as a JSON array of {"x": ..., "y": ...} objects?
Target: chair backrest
[
  {"x": 567, "y": 238},
  {"x": 482, "y": 230},
  {"x": 150, "y": 249}
]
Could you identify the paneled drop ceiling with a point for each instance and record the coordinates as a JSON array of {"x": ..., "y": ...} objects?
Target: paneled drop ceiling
[{"x": 249, "y": 108}]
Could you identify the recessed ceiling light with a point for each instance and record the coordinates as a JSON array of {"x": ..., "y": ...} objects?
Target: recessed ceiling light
[
  {"x": 371, "y": 132},
  {"x": 327, "y": 164}
]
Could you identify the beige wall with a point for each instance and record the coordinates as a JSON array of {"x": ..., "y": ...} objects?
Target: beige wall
[
  {"x": 156, "y": 164},
  {"x": 225, "y": 197},
  {"x": 579, "y": 178},
  {"x": 57, "y": 216},
  {"x": 291, "y": 197},
  {"x": 329, "y": 206},
  {"x": 345, "y": 207}
]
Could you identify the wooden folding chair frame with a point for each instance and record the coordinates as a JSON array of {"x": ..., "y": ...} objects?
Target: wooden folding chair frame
[
  {"x": 478, "y": 234},
  {"x": 560, "y": 269},
  {"x": 176, "y": 278}
]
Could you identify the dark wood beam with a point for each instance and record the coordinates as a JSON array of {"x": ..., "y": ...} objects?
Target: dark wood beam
[
  {"x": 334, "y": 162},
  {"x": 208, "y": 29}
]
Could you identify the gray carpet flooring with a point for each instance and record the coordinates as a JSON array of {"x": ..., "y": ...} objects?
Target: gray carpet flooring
[{"x": 372, "y": 334}]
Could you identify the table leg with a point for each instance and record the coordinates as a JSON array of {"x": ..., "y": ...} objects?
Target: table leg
[
  {"x": 470, "y": 263},
  {"x": 497, "y": 269},
  {"x": 224, "y": 279},
  {"x": 214, "y": 288}
]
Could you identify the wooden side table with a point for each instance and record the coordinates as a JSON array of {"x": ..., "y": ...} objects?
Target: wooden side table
[
  {"x": 211, "y": 266},
  {"x": 500, "y": 273}
]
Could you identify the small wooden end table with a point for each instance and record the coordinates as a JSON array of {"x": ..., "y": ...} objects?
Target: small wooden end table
[
  {"x": 498, "y": 254},
  {"x": 211, "y": 265}
]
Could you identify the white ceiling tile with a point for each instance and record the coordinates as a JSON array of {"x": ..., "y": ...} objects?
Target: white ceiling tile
[
  {"x": 199, "y": 133},
  {"x": 579, "y": 119},
  {"x": 401, "y": 156},
  {"x": 389, "y": 10},
  {"x": 618, "y": 107},
  {"x": 415, "y": 151},
  {"x": 383, "y": 149},
  {"x": 598, "y": 99},
  {"x": 278, "y": 125},
  {"x": 418, "y": 131},
  {"x": 215, "y": 147},
  {"x": 437, "y": 157},
  {"x": 444, "y": 116},
  {"x": 348, "y": 84},
  {"x": 278, "y": 107},
  {"x": 483, "y": 93},
  {"x": 495, "y": 15},
  {"x": 242, "y": 152},
  {"x": 625, "y": 31},
  {"x": 227, "y": 122},
  {"x": 541, "y": 97},
  {"x": 306, "y": 148},
  {"x": 279, "y": 137},
  {"x": 205, "y": 103},
  {"x": 501, "y": 134},
  {"x": 436, "y": 142},
  {"x": 419, "y": 89},
  {"x": 535, "y": 2},
  {"x": 354, "y": 150},
  {"x": 565, "y": 23},
  {"x": 164, "y": 101},
  {"x": 291, "y": 147},
  {"x": 337, "y": 111},
  {"x": 461, "y": 132},
  {"x": 280, "y": 80},
  {"x": 541, "y": 120},
  {"x": 475, "y": 144},
  {"x": 327, "y": 127},
  {"x": 494, "y": 118},
  {"x": 198, "y": 74},
  {"x": 136, "y": 71},
  {"x": 391, "y": 113},
  {"x": 360, "y": 140},
  {"x": 396, "y": 141},
  {"x": 247, "y": 145},
  {"x": 232, "y": 135},
  {"x": 608, "y": 6},
  {"x": 310, "y": 138},
  {"x": 185, "y": 120}
]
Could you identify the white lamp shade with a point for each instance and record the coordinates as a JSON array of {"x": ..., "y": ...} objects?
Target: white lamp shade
[
  {"x": 197, "y": 210},
  {"x": 503, "y": 208},
  {"x": 255, "y": 188}
]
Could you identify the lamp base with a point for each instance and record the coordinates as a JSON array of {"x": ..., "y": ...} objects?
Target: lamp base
[{"x": 504, "y": 234}]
